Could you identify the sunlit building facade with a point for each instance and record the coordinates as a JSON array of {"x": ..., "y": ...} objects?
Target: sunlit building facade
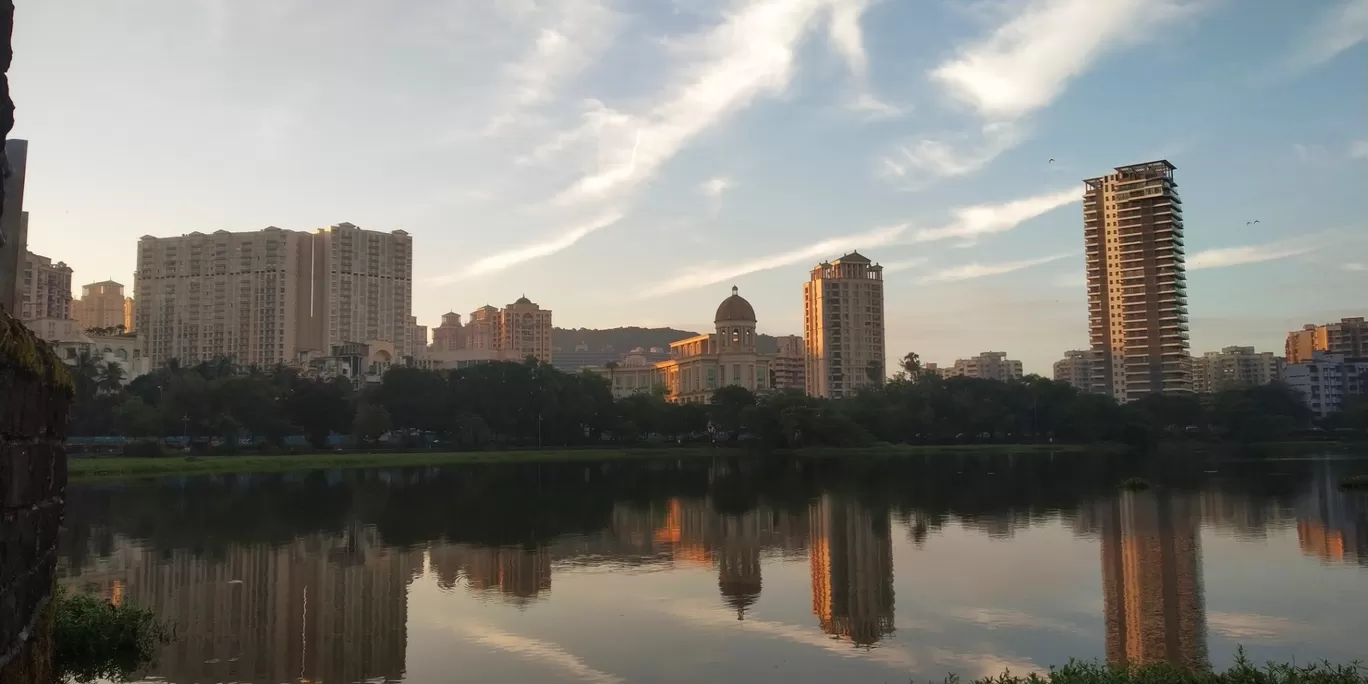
[
  {"x": 843, "y": 326},
  {"x": 851, "y": 551}
]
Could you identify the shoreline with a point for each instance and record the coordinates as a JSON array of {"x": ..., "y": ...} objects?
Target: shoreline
[{"x": 86, "y": 469}]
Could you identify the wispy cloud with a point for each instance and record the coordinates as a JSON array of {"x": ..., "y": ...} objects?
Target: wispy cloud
[
  {"x": 907, "y": 264},
  {"x": 537, "y": 250},
  {"x": 985, "y": 219},
  {"x": 749, "y": 54},
  {"x": 716, "y": 273},
  {"x": 543, "y": 652},
  {"x": 1354, "y": 266},
  {"x": 1358, "y": 149},
  {"x": 1252, "y": 626},
  {"x": 1224, "y": 257},
  {"x": 1309, "y": 153},
  {"x": 1334, "y": 30},
  {"x": 873, "y": 109},
  {"x": 1021, "y": 66},
  {"x": 714, "y": 187},
  {"x": 976, "y": 270}
]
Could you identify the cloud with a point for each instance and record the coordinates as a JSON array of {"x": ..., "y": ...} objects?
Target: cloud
[
  {"x": 512, "y": 257},
  {"x": 1223, "y": 257},
  {"x": 714, "y": 187},
  {"x": 907, "y": 264},
  {"x": 1255, "y": 627},
  {"x": 987, "y": 219},
  {"x": 1029, "y": 60},
  {"x": 1309, "y": 153},
  {"x": 749, "y": 54},
  {"x": 544, "y": 652},
  {"x": 716, "y": 273},
  {"x": 874, "y": 109},
  {"x": 1354, "y": 266},
  {"x": 1358, "y": 149},
  {"x": 1020, "y": 67},
  {"x": 977, "y": 270},
  {"x": 1333, "y": 31},
  {"x": 846, "y": 37}
]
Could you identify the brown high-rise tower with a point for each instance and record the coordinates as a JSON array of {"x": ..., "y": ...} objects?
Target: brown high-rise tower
[{"x": 1137, "y": 282}]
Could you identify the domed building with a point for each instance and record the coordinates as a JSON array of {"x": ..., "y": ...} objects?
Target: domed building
[{"x": 699, "y": 365}]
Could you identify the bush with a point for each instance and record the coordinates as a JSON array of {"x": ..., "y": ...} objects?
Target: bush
[
  {"x": 1242, "y": 672},
  {"x": 96, "y": 639},
  {"x": 1135, "y": 484}
]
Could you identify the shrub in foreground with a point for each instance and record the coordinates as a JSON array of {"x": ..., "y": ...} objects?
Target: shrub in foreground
[
  {"x": 95, "y": 639},
  {"x": 1242, "y": 672}
]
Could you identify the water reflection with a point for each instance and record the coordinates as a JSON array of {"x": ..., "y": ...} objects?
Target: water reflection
[{"x": 311, "y": 577}]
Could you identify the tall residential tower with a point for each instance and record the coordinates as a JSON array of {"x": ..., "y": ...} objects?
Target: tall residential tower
[
  {"x": 1137, "y": 282},
  {"x": 843, "y": 326}
]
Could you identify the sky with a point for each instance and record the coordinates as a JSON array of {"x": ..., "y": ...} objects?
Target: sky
[{"x": 626, "y": 162}]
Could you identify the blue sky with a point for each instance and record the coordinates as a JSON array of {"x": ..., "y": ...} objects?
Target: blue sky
[{"x": 627, "y": 162}]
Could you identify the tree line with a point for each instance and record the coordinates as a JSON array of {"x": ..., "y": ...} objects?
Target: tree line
[{"x": 508, "y": 404}]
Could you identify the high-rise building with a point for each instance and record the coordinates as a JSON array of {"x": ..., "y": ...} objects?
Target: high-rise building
[
  {"x": 843, "y": 326},
  {"x": 525, "y": 329},
  {"x": 1326, "y": 380},
  {"x": 1234, "y": 367},
  {"x": 1348, "y": 337},
  {"x": 1153, "y": 598},
  {"x": 448, "y": 336},
  {"x": 1137, "y": 282},
  {"x": 787, "y": 364},
  {"x": 103, "y": 305},
  {"x": 45, "y": 288},
  {"x": 362, "y": 288},
  {"x": 418, "y": 337},
  {"x": 986, "y": 366},
  {"x": 236, "y": 295},
  {"x": 13, "y": 227},
  {"x": 1076, "y": 369},
  {"x": 482, "y": 329}
]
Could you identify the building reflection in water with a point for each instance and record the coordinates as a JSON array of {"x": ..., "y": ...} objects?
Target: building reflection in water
[
  {"x": 1151, "y": 577},
  {"x": 1332, "y": 525},
  {"x": 324, "y": 607},
  {"x": 851, "y": 552},
  {"x": 518, "y": 575}
]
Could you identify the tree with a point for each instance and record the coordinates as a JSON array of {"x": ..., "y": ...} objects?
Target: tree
[
  {"x": 874, "y": 371},
  {"x": 319, "y": 407},
  {"x": 85, "y": 372},
  {"x": 911, "y": 364},
  {"x": 728, "y": 406},
  {"x": 371, "y": 422},
  {"x": 111, "y": 377}
]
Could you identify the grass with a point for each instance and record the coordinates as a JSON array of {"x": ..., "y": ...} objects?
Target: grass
[
  {"x": 1355, "y": 483},
  {"x": 116, "y": 468},
  {"x": 1242, "y": 672}
]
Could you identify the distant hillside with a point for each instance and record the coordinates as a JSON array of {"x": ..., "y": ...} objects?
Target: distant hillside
[{"x": 627, "y": 339}]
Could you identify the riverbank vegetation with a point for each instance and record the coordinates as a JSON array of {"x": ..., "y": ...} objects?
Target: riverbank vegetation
[
  {"x": 98, "y": 640},
  {"x": 1243, "y": 671},
  {"x": 508, "y": 405}
]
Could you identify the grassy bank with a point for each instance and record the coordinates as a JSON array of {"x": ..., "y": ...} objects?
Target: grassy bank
[
  {"x": 111, "y": 468},
  {"x": 1243, "y": 671}
]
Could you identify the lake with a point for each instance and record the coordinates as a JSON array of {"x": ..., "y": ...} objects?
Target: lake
[{"x": 734, "y": 569}]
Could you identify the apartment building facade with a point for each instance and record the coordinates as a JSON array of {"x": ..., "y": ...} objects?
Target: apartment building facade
[
  {"x": 787, "y": 366},
  {"x": 238, "y": 295},
  {"x": 1137, "y": 282},
  {"x": 1327, "y": 380},
  {"x": 524, "y": 329},
  {"x": 843, "y": 326},
  {"x": 44, "y": 288},
  {"x": 986, "y": 366},
  {"x": 1076, "y": 369},
  {"x": 449, "y": 335},
  {"x": 361, "y": 289},
  {"x": 103, "y": 305},
  {"x": 1234, "y": 367},
  {"x": 1348, "y": 337}
]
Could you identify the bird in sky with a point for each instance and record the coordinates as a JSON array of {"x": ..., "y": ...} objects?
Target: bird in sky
[
  {"x": 1051, "y": 160},
  {"x": 1250, "y": 223}
]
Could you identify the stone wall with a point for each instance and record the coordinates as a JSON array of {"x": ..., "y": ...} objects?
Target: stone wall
[{"x": 35, "y": 391}]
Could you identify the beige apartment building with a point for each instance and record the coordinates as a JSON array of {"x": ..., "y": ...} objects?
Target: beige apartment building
[
  {"x": 788, "y": 364},
  {"x": 1137, "y": 282},
  {"x": 525, "y": 329},
  {"x": 449, "y": 335},
  {"x": 238, "y": 295},
  {"x": 1234, "y": 367},
  {"x": 699, "y": 365},
  {"x": 988, "y": 365},
  {"x": 262, "y": 297},
  {"x": 44, "y": 288},
  {"x": 483, "y": 328},
  {"x": 362, "y": 288},
  {"x": 843, "y": 326},
  {"x": 1076, "y": 369},
  {"x": 1348, "y": 337},
  {"x": 103, "y": 305}
]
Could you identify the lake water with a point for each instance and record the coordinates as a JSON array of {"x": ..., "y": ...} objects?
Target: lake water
[{"x": 731, "y": 570}]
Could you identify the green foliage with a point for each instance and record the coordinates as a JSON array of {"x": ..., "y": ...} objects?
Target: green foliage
[
  {"x": 1242, "y": 672},
  {"x": 96, "y": 639},
  {"x": 1135, "y": 484},
  {"x": 370, "y": 423}
]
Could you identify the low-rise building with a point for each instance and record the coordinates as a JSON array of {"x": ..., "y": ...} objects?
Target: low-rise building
[
  {"x": 986, "y": 366},
  {"x": 1234, "y": 367},
  {"x": 1327, "y": 380},
  {"x": 69, "y": 342},
  {"x": 1076, "y": 369},
  {"x": 1348, "y": 337}
]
